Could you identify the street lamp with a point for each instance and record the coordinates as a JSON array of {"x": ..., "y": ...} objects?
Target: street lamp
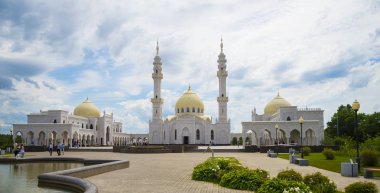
[
  {"x": 276, "y": 126},
  {"x": 11, "y": 131},
  {"x": 300, "y": 121},
  {"x": 355, "y": 107}
]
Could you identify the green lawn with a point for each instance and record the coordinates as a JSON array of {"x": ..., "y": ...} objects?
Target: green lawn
[{"x": 319, "y": 161}]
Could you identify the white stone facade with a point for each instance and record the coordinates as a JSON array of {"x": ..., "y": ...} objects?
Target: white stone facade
[
  {"x": 261, "y": 129},
  {"x": 58, "y": 126}
]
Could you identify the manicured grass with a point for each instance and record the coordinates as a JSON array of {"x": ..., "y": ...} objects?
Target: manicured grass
[{"x": 319, "y": 161}]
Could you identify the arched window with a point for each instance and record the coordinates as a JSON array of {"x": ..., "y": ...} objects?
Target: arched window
[
  {"x": 156, "y": 71},
  {"x": 86, "y": 126},
  {"x": 178, "y": 110},
  {"x": 222, "y": 95},
  {"x": 55, "y": 120},
  {"x": 212, "y": 134},
  {"x": 82, "y": 125},
  {"x": 182, "y": 110},
  {"x": 193, "y": 110},
  {"x": 187, "y": 109},
  {"x": 63, "y": 121},
  {"x": 156, "y": 96},
  {"x": 198, "y": 134},
  {"x": 288, "y": 119},
  {"x": 198, "y": 110},
  {"x": 91, "y": 127},
  {"x": 175, "y": 134}
]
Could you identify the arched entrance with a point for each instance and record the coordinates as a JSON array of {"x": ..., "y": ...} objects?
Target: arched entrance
[{"x": 185, "y": 135}]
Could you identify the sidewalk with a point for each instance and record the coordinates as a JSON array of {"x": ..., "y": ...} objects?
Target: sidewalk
[{"x": 171, "y": 172}]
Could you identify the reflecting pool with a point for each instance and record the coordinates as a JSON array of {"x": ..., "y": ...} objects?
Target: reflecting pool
[{"x": 22, "y": 177}]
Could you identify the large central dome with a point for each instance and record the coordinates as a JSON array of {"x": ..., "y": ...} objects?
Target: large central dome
[
  {"x": 189, "y": 102},
  {"x": 272, "y": 107},
  {"x": 87, "y": 109}
]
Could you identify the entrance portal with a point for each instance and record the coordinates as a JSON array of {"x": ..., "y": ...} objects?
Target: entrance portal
[{"x": 185, "y": 139}]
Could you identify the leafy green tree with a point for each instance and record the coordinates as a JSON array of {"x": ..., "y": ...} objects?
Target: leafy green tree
[
  {"x": 342, "y": 123},
  {"x": 234, "y": 141},
  {"x": 240, "y": 141}
]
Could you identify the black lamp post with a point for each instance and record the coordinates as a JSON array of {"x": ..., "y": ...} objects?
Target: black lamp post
[
  {"x": 355, "y": 107},
  {"x": 276, "y": 126},
  {"x": 300, "y": 121},
  {"x": 11, "y": 131}
]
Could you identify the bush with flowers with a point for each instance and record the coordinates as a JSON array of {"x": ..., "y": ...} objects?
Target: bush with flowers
[
  {"x": 213, "y": 169},
  {"x": 276, "y": 185}
]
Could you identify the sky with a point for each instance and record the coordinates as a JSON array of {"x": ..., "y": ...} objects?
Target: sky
[{"x": 317, "y": 54}]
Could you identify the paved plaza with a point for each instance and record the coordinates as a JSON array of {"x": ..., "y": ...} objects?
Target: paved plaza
[{"x": 171, "y": 172}]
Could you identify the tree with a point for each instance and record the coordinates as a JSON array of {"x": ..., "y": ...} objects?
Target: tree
[
  {"x": 342, "y": 124},
  {"x": 234, "y": 141},
  {"x": 240, "y": 141}
]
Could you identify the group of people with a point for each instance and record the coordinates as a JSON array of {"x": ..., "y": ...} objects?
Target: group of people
[
  {"x": 19, "y": 150},
  {"x": 60, "y": 149}
]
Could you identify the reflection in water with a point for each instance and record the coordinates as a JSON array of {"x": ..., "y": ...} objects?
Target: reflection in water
[{"x": 23, "y": 177}]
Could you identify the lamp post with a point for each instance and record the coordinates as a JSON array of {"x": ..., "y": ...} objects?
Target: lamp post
[
  {"x": 276, "y": 126},
  {"x": 300, "y": 121},
  {"x": 11, "y": 131},
  {"x": 355, "y": 107}
]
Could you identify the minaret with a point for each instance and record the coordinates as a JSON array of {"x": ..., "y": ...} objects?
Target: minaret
[
  {"x": 157, "y": 76},
  {"x": 222, "y": 76}
]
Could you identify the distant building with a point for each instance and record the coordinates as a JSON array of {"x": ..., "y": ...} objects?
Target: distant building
[
  {"x": 261, "y": 129},
  {"x": 86, "y": 127}
]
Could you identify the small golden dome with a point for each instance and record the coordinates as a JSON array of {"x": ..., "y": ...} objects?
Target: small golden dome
[
  {"x": 272, "y": 107},
  {"x": 87, "y": 109},
  {"x": 189, "y": 102}
]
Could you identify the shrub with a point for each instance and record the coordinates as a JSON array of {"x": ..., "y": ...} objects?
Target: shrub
[
  {"x": 319, "y": 183},
  {"x": 213, "y": 169},
  {"x": 371, "y": 144},
  {"x": 276, "y": 185},
  {"x": 206, "y": 171},
  {"x": 329, "y": 153},
  {"x": 361, "y": 187},
  {"x": 243, "y": 179},
  {"x": 369, "y": 158},
  {"x": 306, "y": 151},
  {"x": 290, "y": 175}
]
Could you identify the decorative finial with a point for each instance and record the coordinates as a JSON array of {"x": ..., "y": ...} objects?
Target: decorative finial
[
  {"x": 278, "y": 93},
  {"x": 189, "y": 86},
  {"x": 157, "y": 49},
  {"x": 221, "y": 44}
]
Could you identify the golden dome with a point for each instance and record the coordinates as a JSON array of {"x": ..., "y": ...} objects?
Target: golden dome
[
  {"x": 189, "y": 102},
  {"x": 87, "y": 109},
  {"x": 272, "y": 107}
]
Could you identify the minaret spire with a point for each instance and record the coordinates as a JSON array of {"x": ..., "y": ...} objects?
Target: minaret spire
[
  {"x": 157, "y": 77},
  {"x": 157, "y": 49},
  {"x": 221, "y": 44},
  {"x": 222, "y": 76}
]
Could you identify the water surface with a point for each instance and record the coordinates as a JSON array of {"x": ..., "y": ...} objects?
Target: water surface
[{"x": 22, "y": 177}]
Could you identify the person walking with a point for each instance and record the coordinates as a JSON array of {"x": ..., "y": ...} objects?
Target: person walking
[
  {"x": 58, "y": 149},
  {"x": 15, "y": 151},
  {"x": 51, "y": 149},
  {"x": 63, "y": 149},
  {"x": 22, "y": 150}
]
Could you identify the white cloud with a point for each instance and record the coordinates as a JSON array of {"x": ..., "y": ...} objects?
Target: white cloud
[{"x": 315, "y": 53}]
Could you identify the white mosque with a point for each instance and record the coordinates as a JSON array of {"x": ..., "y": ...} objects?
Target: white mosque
[
  {"x": 261, "y": 130},
  {"x": 86, "y": 127},
  {"x": 189, "y": 124}
]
